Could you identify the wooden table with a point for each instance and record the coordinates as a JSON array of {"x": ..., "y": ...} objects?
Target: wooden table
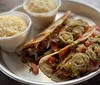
[{"x": 6, "y": 5}]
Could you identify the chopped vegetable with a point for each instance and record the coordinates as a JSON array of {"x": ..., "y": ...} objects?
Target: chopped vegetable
[
  {"x": 66, "y": 37},
  {"x": 35, "y": 69}
]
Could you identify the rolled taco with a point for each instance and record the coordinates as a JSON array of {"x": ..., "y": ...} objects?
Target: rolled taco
[
  {"x": 74, "y": 60},
  {"x": 60, "y": 34}
]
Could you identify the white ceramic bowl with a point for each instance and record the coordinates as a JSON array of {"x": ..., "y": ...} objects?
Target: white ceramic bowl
[
  {"x": 10, "y": 44},
  {"x": 42, "y": 20}
]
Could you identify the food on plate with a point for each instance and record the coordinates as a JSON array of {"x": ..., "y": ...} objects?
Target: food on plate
[
  {"x": 42, "y": 6},
  {"x": 56, "y": 38},
  {"x": 78, "y": 60},
  {"x": 32, "y": 51},
  {"x": 11, "y": 25}
]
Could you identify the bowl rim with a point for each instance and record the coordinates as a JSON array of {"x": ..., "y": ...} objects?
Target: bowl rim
[
  {"x": 34, "y": 13},
  {"x": 16, "y": 35},
  {"x": 74, "y": 81}
]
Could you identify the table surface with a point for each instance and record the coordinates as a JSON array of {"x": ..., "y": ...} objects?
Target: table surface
[{"x": 6, "y": 5}]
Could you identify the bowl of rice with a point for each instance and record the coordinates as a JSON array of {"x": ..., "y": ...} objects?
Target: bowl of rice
[{"x": 14, "y": 29}]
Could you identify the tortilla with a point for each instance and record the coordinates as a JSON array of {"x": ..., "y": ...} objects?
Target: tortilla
[
  {"x": 61, "y": 35},
  {"x": 48, "y": 69},
  {"x": 47, "y": 32}
]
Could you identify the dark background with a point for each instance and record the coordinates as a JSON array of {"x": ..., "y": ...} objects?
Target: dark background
[{"x": 6, "y": 5}]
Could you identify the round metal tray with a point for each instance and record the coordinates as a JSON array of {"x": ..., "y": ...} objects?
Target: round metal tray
[{"x": 11, "y": 65}]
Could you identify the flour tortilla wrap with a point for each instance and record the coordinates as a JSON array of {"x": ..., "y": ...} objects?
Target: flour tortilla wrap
[
  {"x": 62, "y": 33},
  {"x": 36, "y": 41},
  {"x": 48, "y": 69},
  {"x": 47, "y": 32}
]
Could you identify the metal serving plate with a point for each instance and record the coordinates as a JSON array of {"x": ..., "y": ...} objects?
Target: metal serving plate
[{"x": 11, "y": 65}]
